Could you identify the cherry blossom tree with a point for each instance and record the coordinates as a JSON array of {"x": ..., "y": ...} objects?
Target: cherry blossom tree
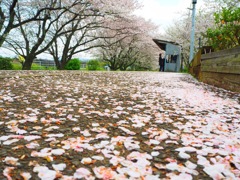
[
  {"x": 66, "y": 28},
  {"x": 93, "y": 16},
  {"x": 15, "y": 13},
  {"x": 133, "y": 45},
  {"x": 33, "y": 38},
  {"x": 181, "y": 29}
]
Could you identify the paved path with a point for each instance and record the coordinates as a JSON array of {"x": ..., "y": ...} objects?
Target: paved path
[{"x": 116, "y": 125}]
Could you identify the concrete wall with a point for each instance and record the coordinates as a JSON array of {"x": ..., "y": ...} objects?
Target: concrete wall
[
  {"x": 172, "y": 49},
  {"x": 221, "y": 69}
]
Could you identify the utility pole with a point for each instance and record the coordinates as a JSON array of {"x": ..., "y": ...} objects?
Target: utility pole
[{"x": 194, "y": 2}]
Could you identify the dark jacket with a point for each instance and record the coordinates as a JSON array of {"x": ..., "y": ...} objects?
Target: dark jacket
[{"x": 161, "y": 61}]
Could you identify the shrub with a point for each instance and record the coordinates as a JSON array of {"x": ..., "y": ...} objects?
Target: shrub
[
  {"x": 16, "y": 66},
  {"x": 93, "y": 65},
  {"x": 37, "y": 67},
  {"x": 73, "y": 64},
  {"x": 5, "y": 63}
]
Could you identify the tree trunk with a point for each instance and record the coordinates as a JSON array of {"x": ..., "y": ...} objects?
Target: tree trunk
[
  {"x": 27, "y": 63},
  {"x": 57, "y": 62}
]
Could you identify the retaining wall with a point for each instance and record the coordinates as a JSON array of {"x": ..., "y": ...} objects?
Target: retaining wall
[{"x": 221, "y": 68}]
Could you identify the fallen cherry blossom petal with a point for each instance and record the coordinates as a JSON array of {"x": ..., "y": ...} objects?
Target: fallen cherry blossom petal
[
  {"x": 25, "y": 175},
  {"x": 7, "y": 172},
  {"x": 59, "y": 167},
  {"x": 11, "y": 161}
]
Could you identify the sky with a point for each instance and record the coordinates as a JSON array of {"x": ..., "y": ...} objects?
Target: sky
[{"x": 163, "y": 12}]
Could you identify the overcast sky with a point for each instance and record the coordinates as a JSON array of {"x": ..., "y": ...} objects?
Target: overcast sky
[{"x": 163, "y": 12}]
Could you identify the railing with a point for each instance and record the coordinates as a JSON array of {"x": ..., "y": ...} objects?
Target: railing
[{"x": 45, "y": 63}]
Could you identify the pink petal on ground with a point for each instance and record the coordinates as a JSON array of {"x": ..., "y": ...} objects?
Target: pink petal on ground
[
  {"x": 30, "y": 138},
  {"x": 11, "y": 161},
  {"x": 82, "y": 173},
  {"x": 99, "y": 158},
  {"x": 102, "y": 136},
  {"x": 104, "y": 172},
  {"x": 172, "y": 166},
  {"x": 163, "y": 136},
  {"x": 10, "y": 141},
  {"x": 138, "y": 155},
  {"x": 25, "y": 175},
  {"x": 215, "y": 171},
  {"x": 184, "y": 155},
  {"x": 75, "y": 129},
  {"x": 59, "y": 167},
  {"x": 116, "y": 160},
  {"x": 130, "y": 145},
  {"x": 58, "y": 152},
  {"x": 130, "y": 171},
  {"x": 7, "y": 172},
  {"x": 127, "y": 130},
  {"x": 51, "y": 128},
  {"x": 159, "y": 166},
  {"x": 190, "y": 165},
  {"x": 155, "y": 142},
  {"x": 86, "y": 161},
  {"x": 55, "y": 135},
  {"x": 158, "y": 148},
  {"x": 85, "y": 133},
  {"x": 95, "y": 124},
  {"x": 155, "y": 153},
  {"x": 21, "y": 131},
  {"x": 184, "y": 176},
  {"x": 187, "y": 149},
  {"x": 4, "y": 138},
  {"x": 203, "y": 161},
  {"x": 32, "y": 145},
  {"x": 44, "y": 173}
]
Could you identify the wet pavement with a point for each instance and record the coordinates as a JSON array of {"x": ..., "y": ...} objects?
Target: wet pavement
[{"x": 116, "y": 125}]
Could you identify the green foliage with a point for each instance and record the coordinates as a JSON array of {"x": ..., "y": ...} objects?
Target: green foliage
[
  {"x": 93, "y": 65},
  {"x": 73, "y": 64},
  {"x": 37, "y": 67},
  {"x": 185, "y": 70},
  {"x": 17, "y": 66},
  {"x": 5, "y": 63},
  {"x": 226, "y": 34}
]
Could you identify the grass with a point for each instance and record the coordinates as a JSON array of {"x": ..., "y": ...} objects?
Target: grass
[{"x": 18, "y": 66}]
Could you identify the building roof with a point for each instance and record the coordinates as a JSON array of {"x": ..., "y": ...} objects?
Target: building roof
[{"x": 162, "y": 43}]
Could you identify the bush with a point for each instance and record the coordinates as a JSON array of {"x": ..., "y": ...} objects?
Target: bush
[
  {"x": 16, "y": 66},
  {"x": 185, "y": 70},
  {"x": 73, "y": 64},
  {"x": 93, "y": 65},
  {"x": 5, "y": 63},
  {"x": 37, "y": 67}
]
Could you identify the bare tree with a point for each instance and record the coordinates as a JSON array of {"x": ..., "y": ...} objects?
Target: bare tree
[
  {"x": 36, "y": 37},
  {"x": 15, "y": 13},
  {"x": 78, "y": 35}
]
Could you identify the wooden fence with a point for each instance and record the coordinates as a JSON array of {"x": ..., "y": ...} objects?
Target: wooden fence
[{"x": 221, "y": 68}]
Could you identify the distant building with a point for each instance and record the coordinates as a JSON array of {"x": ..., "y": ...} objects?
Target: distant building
[{"x": 172, "y": 55}]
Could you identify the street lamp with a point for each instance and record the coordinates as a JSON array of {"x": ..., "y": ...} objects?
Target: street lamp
[{"x": 194, "y": 2}]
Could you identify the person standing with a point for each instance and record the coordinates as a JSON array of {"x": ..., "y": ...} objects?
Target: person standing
[{"x": 161, "y": 62}]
